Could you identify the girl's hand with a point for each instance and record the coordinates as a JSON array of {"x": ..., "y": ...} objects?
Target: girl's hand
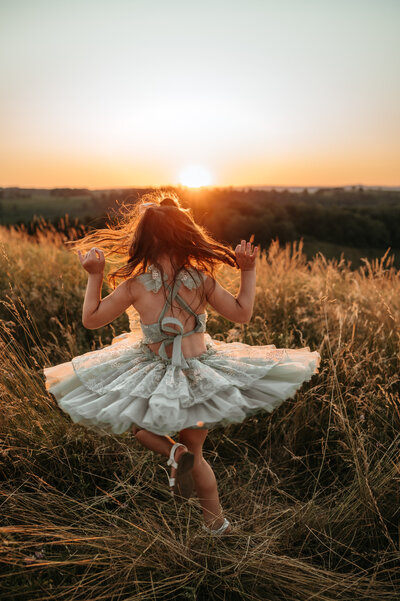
[
  {"x": 91, "y": 262},
  {"x": 246, "y": 256}
]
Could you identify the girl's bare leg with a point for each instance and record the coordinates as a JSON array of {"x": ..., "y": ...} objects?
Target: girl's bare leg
[
  {"x": 158, "y": 444},
  {"x": 203, "y": 475},
  {"x": 154, "y": 442},
  {"x": 204, "y": 478}
]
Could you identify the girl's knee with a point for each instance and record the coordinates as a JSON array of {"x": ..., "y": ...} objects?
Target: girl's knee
[
  {"x": 195, "y": 447},
  {"x": 197, "y": 451},
  {"x": 199, "y": 460}
]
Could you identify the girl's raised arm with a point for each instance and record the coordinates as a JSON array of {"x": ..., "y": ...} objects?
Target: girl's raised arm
[
  {"x": 98, "y": 312},
  {"x": 240, "y": 308}
]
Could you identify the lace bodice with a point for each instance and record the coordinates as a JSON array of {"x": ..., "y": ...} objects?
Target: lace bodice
[{"x": 161, "y": 330}]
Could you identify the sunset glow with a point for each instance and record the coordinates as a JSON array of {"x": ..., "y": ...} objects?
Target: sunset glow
[
  {"x": 264, "y": 93},
  {"x": 195, "y": 176}
]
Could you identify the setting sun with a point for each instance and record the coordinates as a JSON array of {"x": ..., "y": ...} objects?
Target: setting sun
[{"x": 195, "y": 176}]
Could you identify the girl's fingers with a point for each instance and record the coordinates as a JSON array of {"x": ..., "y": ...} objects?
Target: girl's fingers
[
  {"x": 241, "y": 248},
  {"x": 94, "y": 254},
  {"x": 239, "y": 251},
  {"x": 97, "y": 251},
  {"x": 246, "y": 249}
]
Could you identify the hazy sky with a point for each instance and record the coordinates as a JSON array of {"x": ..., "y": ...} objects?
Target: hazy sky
[{"x": 101, "y": 94}]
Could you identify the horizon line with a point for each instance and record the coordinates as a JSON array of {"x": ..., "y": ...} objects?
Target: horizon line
[{"x": 199, "y": 188}]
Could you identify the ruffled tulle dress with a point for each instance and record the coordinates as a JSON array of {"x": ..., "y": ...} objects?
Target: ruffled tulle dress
[{"x": 126, "y": 384}]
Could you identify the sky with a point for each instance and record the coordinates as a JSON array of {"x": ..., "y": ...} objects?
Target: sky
[{"x": 108, "y": 94}]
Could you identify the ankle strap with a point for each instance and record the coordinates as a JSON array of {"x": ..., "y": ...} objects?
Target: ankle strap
[
  {"x": 221, "y": 529},
  {"x": 171, "y": 460}
]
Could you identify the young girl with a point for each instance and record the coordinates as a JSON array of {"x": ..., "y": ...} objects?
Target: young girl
[{"x": 174, "y": 377}]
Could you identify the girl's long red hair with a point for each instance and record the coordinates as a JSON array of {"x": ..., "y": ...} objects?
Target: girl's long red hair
[{"x": 144, "y": 232}]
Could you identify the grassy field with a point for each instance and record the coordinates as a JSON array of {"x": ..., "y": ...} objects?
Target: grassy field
[{"x": 313, "y": 488}]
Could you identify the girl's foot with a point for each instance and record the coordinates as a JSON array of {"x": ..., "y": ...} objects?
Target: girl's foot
[
  {"x": 177, "y": 454},
  {"x": 181, "y": 480},
  {"x": 219, "y": 528}
]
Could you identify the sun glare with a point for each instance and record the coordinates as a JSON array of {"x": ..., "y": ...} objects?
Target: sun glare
[{"x": 195, "y": 176}]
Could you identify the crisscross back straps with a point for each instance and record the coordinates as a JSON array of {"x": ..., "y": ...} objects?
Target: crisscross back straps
[{"x": 176, "y": 339}]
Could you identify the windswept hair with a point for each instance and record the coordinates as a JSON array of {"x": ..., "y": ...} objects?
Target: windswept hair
[{"x": 143, "y": 232}]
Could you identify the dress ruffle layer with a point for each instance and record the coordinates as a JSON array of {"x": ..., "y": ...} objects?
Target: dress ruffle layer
[{"x": 126, "y": 384}]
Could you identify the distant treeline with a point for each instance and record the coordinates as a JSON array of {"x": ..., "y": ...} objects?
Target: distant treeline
[{"x": 357, "y": 217}]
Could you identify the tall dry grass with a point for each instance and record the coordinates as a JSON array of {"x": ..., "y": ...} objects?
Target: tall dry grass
[{"x": 312, "y": 488}]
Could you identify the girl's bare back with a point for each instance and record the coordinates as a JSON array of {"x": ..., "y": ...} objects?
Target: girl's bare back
[{"x": 149, "y": 306}]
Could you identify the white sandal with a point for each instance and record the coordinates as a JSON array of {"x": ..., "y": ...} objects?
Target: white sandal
[
  {"x": 181, "y": 485},
  {"x": 219, "y": 530}
]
